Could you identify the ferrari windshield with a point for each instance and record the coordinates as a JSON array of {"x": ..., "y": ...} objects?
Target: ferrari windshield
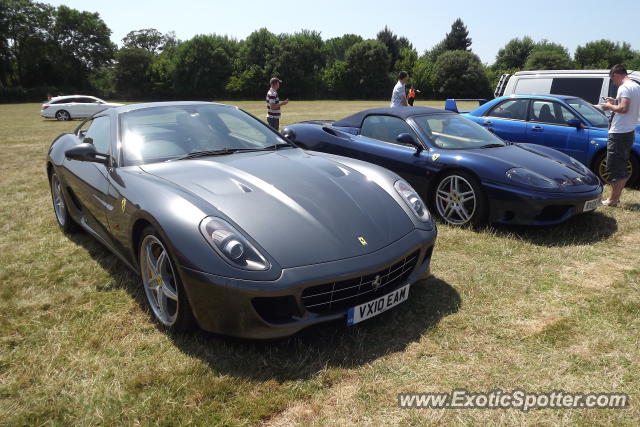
[
  {"x": 451, "y": 131},
  {"x": 589, "y": 112},
  {"x": 171, "y": 132}
]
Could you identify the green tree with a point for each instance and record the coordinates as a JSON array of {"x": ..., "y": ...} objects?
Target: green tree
[
  {"x": 251, "y": 74},
  {"x": 368, "y": 66},
  {"x": 459, "y": 74},
  {"x": 390, "y": 40},
  {"x": 132, "y": 72},
  {"x": 335, "y": 79},
  {"x": 84, "y": 42},
  {"x": 603, "y": 54},
  {"x": 420, "y": 77},
  {"x": 336, "y": 47},
  {"x": 458, "y": 37},
  {"x": 298, "y": 60},
  {"x": 514, "y": 54},
  {"x": 204, "y": 64},
  {"x": 149, "y": 39},
  {"x": 549, "y": 56}
]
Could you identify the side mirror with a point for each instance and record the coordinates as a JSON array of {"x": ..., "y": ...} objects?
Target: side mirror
[
  {"x": 289, "y": 134},
  {"x": 408, "y": 139},
  {"x": 86, "y": 152},
  {"x": 576, "y": 123}
]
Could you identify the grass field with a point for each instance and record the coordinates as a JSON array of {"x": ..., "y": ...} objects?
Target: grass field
[{"x": 538, "y": 309}]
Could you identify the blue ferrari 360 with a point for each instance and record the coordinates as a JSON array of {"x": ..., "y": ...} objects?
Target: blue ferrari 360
[
  {"x": 566, "y": 123},
  {"x": 467, "y": 174}
]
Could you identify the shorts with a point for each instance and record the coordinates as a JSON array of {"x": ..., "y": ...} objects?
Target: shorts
[{"x": 618, "y": 151}]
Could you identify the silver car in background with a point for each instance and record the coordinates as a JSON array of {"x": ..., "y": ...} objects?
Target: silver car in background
[{"x": 70, "y": 107}]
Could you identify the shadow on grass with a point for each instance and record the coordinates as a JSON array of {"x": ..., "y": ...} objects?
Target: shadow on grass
[
  {"x": 578, "y": 230},
  {"x": 304, "y": 355},
  {"x": 635, "y": 207}
]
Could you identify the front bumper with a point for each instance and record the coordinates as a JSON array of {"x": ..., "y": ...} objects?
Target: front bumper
[
  {"x": 511, "y": 205},
  {"x": 274, "y": 309}
]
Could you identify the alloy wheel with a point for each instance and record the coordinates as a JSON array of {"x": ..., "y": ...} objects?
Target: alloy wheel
[{"x": 455, "y": 200}]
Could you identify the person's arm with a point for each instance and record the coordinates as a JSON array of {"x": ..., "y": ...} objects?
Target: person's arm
[
  {"x": 622, "y": 107},
  {"x": 403, "y": 100},
  {"x": 276, "y": 106}
]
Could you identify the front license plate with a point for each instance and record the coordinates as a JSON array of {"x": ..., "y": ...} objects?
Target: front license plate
[
  {"x": 372, "y": 308},
  {"x": 590, "y": 205}
]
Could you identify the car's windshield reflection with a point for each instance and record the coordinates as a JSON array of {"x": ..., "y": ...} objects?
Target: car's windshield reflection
[
  {"x": 451, "y": 131},
  {"x": 167, "y": 133}
]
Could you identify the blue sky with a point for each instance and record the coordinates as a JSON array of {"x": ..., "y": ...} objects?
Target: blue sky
[{"x": 491, "y": 24}]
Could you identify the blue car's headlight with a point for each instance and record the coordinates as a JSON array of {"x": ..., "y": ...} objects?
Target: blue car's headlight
[
  {"x": 412, "y": 199},
  {"x": 232, "y": 245},
  {"x": 580, "y": 167},
  {"x": 530, "y": 178}
]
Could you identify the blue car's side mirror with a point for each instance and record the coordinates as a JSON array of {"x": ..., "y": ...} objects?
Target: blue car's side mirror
[
  {"x": 576, "y": 123},
  {"x": 408, "y": 139}
]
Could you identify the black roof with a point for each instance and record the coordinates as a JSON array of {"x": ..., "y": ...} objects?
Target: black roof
[{"x": 355, "y": 120}]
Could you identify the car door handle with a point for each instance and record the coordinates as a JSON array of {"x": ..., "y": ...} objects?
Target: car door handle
[
  {"x": 488, "y": 122},
  {"x": 537, "y": 128}
]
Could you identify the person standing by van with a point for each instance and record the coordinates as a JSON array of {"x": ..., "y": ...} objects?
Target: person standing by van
[{"x": 626, "y": 110}]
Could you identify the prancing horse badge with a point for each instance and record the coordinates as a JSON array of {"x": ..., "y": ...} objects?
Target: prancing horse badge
[
  {"x": 362, "y": 241},
  {"x": 123, "y": 204},
  {"x": 435, "y": 156}
]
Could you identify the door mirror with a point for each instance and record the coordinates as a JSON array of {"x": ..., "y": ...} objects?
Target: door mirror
[
  {"x": 408, "y": 139},
  {"x": 289, "y": 134},
  {"x": 86, "y": 152},
  {"x": 576, "y": 123}
]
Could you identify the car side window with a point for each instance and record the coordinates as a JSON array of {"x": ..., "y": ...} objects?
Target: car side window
[
  {"x": 385, "y": 128},
  {"x": 99, "y": 134},
  {"x": 550, "y": 112},
  {"x": 515, "y": 109}
]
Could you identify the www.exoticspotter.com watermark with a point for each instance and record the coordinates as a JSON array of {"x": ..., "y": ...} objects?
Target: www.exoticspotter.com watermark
[{"x": 514, "y": 399}]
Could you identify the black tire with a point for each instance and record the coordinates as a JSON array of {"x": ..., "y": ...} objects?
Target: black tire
[
  {"x": 63, "y": 115},
  {"x": 60, "y": 210},
  {"x": 600, "y": 168},
  {"x": 161, "y": 283},
  {"x": 457, "y": 199}
]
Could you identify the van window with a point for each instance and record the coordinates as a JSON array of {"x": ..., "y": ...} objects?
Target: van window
[
  {"x": 587, "y": 88},
  {"x": 533, "y": 86}
]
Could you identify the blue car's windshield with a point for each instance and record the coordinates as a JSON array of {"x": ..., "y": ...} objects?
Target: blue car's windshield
[
  {"x": 589, "y": 112},
  {"x": 169, "y": 132},
  {"x": 452, "y": 131}
]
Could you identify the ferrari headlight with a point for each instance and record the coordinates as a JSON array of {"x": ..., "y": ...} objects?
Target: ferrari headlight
[
  {"x": 530, "y": 178},
  {"x": 579, "y": 167},
  {"x": 232, "y": 245},
  {"x": 412, "y": 199}
]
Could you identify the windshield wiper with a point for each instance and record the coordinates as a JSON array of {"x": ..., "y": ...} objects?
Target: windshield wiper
[
  {"x": 493, "y": 145},
  {"x": 276, "y": 146},
  {"x": 206, "y": 153}
]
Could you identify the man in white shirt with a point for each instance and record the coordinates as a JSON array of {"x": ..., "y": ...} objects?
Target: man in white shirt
[
  {"x": 626, "y": 109},
  {"x": 399, "y": 95}
]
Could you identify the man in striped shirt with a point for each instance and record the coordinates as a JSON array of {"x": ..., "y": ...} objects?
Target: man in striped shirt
[{"x": 274, "y": 104}]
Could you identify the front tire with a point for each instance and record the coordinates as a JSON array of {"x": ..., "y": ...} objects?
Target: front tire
[
  {"x": 63, "y": 115},
  {"x": 65, "y": 222},
  {"x": 600, "y": 168},
  {"x": 164, "y": 291},
  {"x": 460, "y": 200}
]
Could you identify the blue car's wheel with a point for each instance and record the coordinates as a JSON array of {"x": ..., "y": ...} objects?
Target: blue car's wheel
[
  {"x": 600, "y": 168},
  {"x": 161, "y": 282},
  {"x": 459, "y": 199}
]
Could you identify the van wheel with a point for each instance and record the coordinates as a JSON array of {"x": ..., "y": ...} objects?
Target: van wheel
[{"x": 600, "y": 168}]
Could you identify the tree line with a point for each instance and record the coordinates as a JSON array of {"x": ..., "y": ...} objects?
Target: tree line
[{"x": 48, "y": 50}]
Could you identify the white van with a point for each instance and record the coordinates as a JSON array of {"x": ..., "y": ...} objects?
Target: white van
[{"x": 589, "y": 85}]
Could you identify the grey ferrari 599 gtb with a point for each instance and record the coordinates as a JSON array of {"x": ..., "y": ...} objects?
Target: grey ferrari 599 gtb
[{"x": 231, "y": 226}]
